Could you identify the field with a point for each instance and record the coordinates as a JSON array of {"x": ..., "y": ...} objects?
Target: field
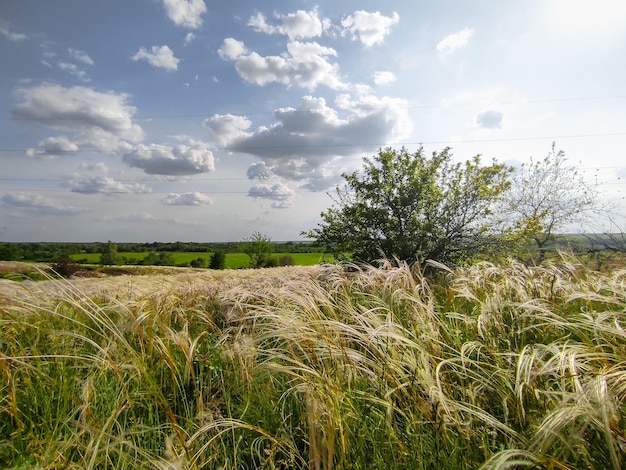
[
  {"x": 320, "y": 367},
  {"x": 233, "y": 260}
]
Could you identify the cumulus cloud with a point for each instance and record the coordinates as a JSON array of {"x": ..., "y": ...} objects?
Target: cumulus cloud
[
  {"x": 259, "y": 170},
  {"x": 225, "y": 128},
  {"x": 304, "y": 65},
  {"x": 53, "y": 146},
  {"x": 99, "y": 120},
  {"x": 490, "y": 119},
  {"x": 303, "y": 140},
  {"x": 383, "y": 77},
  {"x": 5, "y": 30},
  {"x": 369, "y": 28},
  {"x": 37, "y": 204},
  {"x": 185, "y": 13},
  {"x": 187, "y": 199},
  {"x": 159, "y": 56},
  {"x": 180, "y": 160},
  {"x": 299, "y": 25},
  {"x": 104, "y": 185},
  {"x": 455, "y": 41},
  {"x": 279, "y": 193}
]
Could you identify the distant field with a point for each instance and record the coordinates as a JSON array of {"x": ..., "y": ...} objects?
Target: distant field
[{"x": 233, "y": 260}]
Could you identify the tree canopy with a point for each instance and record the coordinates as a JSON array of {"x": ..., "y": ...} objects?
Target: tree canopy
[
  {"x": 546, "y": 197},
  {"x": 413, "y": 208}
]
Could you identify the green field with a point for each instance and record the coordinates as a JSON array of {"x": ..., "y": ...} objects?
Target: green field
[{"x": 233, "y": 260}]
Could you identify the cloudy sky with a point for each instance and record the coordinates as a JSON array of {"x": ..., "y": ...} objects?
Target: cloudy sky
[{"x": 199, "y": 120}]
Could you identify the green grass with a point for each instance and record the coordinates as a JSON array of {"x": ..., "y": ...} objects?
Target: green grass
[
  {"x": 233, "y": 260},
  {"x": 317, "y": 368}
]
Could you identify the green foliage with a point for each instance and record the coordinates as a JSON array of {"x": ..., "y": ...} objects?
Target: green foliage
[
  {"x": 218, "y": 260},
  {"x": 198, "y": 263},
  {"x": 258, "y": 247},
  {"x": 109, "y": 254},
  {"x": 285, "y": 260},
  {"x": 158, "y": 259},
  {"x": 414, "y": 208}
]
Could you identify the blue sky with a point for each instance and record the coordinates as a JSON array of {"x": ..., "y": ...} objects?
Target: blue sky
[{"x": 164, "y": 120}]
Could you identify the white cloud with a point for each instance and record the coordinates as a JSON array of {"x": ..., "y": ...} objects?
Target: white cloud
[
  {"x": 281, "y": 194},
  {"x": 299, "y": 25},
  {"x": 303, "y": 140},
  {"x": 53, "y": 146},
  {"x": 159, "y": 56},
  {"x": 189, "y": 37},
  {"x": 303, "y": 65},
  {"x": 259, "y": 170},
  {"x": 187, "y": 199},
  {"x": 490, "y": 119},
  {"x": 5, "y": 30},
  {"x": 181, "y": 160},
  {"x": 104, "y": 185},
  {"x": 225, "y": 128},
  {"x": 384, "y": 77},
  {"x": 80, "y": 56},
  {"x": 74, "y": 70},
  {"x": 186, "y": 13},
  {"x": 369, "y": 28},
  {"x": 455, "y": 41},
  {"x": 37, "y": 204},
  {"x": 98, "y": 120}
]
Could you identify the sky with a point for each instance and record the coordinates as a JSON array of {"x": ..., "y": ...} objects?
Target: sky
[{"x": 199, "y": 120}]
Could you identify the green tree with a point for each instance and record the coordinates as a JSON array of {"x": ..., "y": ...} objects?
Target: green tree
[
  {"x": 413, "y": 208},
  {"x": 547, "y": 197},
  {"x": 258, "y": 247},
  {"x": 109, "y": 254},
  {"x": 218, "y": 260},
  {"x": 199, "y": 262}
]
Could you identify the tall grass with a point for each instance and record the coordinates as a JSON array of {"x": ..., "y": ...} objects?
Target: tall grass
[{"x": 320, "y": 367}]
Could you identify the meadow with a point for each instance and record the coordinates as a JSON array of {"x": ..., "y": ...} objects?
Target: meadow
[
  {"x": 233, "y": 260},
  {"x": 320, "y": 367}
]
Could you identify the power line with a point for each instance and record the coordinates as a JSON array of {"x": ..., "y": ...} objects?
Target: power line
[
  {"x": 262, "y": 113},
  {"x": 251, "y": 148}
]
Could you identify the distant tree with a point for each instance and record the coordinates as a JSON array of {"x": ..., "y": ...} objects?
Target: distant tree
[
  {"x": 258, "y": 247},
  {"x": 109, "y": 254},
  {"x": 198, "y": 263},
  {"x": 285, "y": 260},
  {"x": 158, "y": 259},
  {"x": 414, "y": 208},
  {"x": 547, "y": 197},
  {"x": 218, "y": 260}
]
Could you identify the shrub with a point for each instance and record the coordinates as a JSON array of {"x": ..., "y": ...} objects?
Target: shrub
[{"x": 285, "y": 260}]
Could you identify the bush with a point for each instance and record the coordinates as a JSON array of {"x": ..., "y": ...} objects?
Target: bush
[
  {"x": 65, "y": 266},
  {"x": 285, "y": 260},
  {"x": 198, "y": 263}
]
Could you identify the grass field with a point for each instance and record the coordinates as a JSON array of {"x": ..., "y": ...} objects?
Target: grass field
[
  {"x": 233, "y": 260},
  {"x": 317, "y": 367}
]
